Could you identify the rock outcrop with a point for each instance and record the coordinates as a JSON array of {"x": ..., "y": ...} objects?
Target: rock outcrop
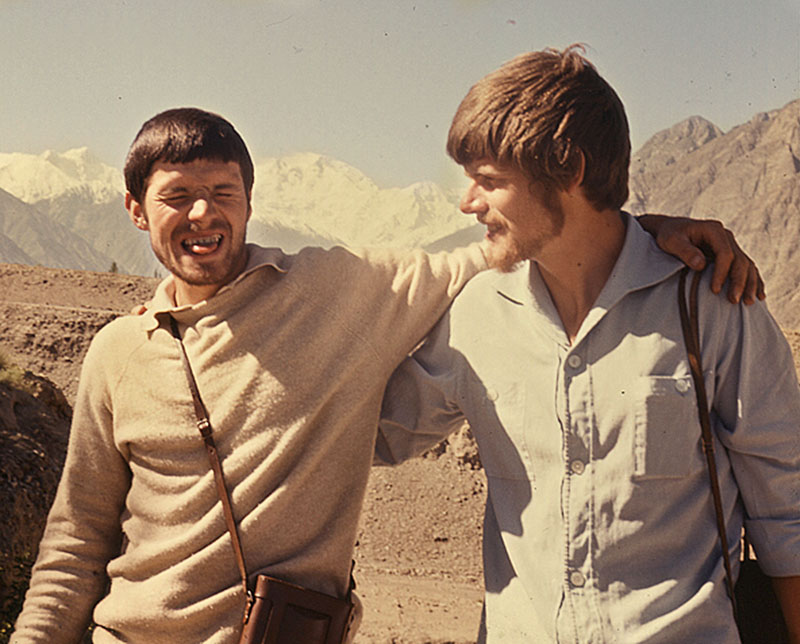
[{"x": 34, "y": 429}]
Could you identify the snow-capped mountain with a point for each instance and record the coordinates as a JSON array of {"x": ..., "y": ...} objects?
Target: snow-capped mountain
[
  {"x": 80, "y": 193},
  {"x": 33, "y": 178},
  {"x": 73, "y": 214},
  {"x": 301, "y": 200},
  {"x": 327, "y": 199}
]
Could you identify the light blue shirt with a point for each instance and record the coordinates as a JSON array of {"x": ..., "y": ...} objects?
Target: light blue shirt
[{"x": 599, "y": 522}]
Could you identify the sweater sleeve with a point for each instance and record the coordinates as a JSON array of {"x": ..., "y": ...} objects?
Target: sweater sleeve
[
  {"x": 386, "y": 299},
  {"x": 400, "y": 296},
  {"x": 419, "y": 407},
  {"x": 423, "y": 288},
  {"x": 83, "y": 527}
]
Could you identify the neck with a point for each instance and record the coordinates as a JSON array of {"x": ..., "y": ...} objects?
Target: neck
[
  {"x": 190, "y": 294},
  {"x": 577, "y": 264}
]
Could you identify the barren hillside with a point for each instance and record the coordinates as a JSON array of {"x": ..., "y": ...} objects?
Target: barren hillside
[{"x": 418, "y": 556}]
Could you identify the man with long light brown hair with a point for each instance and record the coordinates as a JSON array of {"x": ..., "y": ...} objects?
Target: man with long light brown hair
[{"x": 568, "y": 362}]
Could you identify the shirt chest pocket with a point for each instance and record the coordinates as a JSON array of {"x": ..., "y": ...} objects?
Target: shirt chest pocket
[{"x": 666, "y": 439}]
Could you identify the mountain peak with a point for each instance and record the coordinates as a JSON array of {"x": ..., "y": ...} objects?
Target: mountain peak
[
  {"x": 747, "y": 178},
  {"x": 668, "y": 146},
  {"x": 331, "y": 200},
  {"x": 51, "y": 175}
]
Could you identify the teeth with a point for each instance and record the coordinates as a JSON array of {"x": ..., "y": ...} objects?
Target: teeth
[{"x": 203, "y": 241}]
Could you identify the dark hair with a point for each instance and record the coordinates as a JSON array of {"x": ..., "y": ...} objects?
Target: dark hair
[
  {"x": 183, "y": 135},
  {"x": 540, "y": 112}
]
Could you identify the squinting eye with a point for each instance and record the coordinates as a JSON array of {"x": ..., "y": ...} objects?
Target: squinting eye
[{"x": 176, "y": 200}]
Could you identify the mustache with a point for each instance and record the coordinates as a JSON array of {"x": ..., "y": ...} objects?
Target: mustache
[{"x": 215, "y": 225}]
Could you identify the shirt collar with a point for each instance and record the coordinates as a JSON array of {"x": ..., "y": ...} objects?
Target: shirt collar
[
  {"x": 163, "y": 301},
  {"x": 641, "y": 263}
]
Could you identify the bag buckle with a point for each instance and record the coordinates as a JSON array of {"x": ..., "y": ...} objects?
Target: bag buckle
[{"x": 248, "y": 606}]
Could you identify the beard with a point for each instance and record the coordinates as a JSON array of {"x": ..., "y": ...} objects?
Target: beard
[
  {"x": 196, "y": 272},
  {"x": 506, "y": 257},
  {"x": 509, "y": 251}
]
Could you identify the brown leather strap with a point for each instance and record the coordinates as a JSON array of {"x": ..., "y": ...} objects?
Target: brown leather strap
[
  {"x": 204, "y": 427},
  {"x": 691, "y": 336}
]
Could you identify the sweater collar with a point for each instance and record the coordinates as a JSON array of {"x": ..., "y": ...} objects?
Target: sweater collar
[{"x": 163, "y": 302}]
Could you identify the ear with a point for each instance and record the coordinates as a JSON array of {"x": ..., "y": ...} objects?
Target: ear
[
  {"x": 135, "y": 212},
  {"x": 580, "y": 170}
]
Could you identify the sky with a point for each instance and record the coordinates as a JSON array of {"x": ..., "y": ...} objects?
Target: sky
[{"x": 373, "y": 83}]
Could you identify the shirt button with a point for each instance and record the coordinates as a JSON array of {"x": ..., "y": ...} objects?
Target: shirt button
[
  {"x": 574, "y": 361},
  {"x": 577, "y": 579},
  {"x": 682, "y": 386},
  {"x": 577, "y": 467},
  {"x": 492, "y": 394}
]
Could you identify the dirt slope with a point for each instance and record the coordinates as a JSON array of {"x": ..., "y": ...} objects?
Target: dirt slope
[{"x": 418, "y": 557}]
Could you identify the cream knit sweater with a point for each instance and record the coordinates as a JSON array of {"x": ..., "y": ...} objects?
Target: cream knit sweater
[{"x": 291, "y": 360}]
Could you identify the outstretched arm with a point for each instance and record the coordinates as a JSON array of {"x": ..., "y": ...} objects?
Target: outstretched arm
[{"x": 690, "y": 239}]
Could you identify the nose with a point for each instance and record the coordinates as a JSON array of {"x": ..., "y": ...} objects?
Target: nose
[
  {"x": 472, "y": 202},
  {"x": 201, "y": 207}
]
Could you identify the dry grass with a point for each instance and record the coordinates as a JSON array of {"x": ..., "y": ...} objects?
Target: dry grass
[{"x": 10, "y": 373}]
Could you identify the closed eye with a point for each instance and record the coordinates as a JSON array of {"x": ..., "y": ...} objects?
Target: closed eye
[{"x": 175, "y": 200}]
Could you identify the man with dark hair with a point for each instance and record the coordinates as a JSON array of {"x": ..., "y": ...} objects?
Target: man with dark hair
[
  {"x": 291, "y": 354},
  {"x": 180, "y": 136},
  {"x": 178, "y": 142},
  {"x": 574, "y": 378}
]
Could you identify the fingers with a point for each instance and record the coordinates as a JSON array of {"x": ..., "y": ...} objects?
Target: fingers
[
  {"x": 686, "y": 251},
  {"x": 755, "y": 288},
  {"x": 687, "y": 239},
  {"x": 713, "y": 236},
  {"x": 745, "y": 282},
  {"x": 737, "y": 280},
  {"x": 731, "y": 263},
  {"x": 681, "y": 237},
  {"x": 761, "y": 289},
  {"x": 141, "y": 309}
]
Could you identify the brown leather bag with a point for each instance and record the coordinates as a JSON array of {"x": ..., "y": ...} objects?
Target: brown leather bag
[
  {"x": 276, "y": 611},
  {"x": 283, "y": 612}
]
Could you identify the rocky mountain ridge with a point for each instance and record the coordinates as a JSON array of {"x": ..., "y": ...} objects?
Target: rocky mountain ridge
[
  {"x": 748, "y": 178},
  {"x": 30, "y": 236}
]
